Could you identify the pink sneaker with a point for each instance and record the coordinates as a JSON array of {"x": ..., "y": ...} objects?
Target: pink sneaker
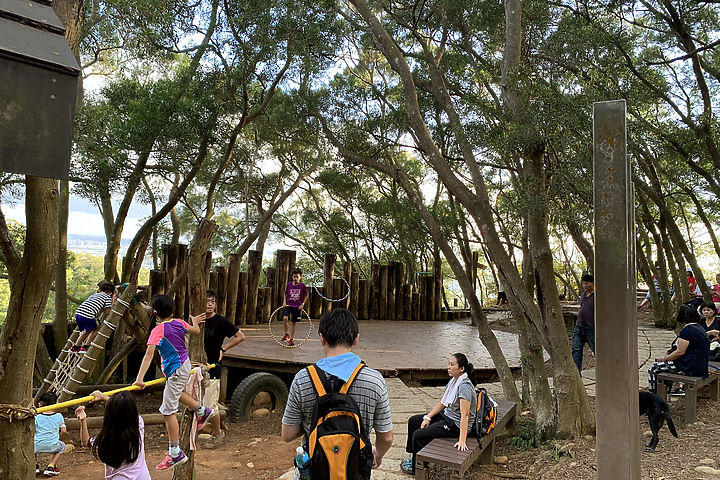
[
  {"x": 209, "y": 413},
  {"x": 170, "y": 462}
]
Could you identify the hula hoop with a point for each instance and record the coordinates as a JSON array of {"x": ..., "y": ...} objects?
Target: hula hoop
[
  {"x": 334, "y": 299},
  {"x": 270, "y": 322}
]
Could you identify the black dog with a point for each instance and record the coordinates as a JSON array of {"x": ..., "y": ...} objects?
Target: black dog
[{"x": 657, "y": 411}]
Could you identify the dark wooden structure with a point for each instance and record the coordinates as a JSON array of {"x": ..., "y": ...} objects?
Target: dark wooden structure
[
  {"x": 249, "y": 297},
  {"x": 442, "y": 451}
]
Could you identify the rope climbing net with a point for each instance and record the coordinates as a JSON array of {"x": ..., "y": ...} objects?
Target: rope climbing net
[{"x": 64, "y": 372}]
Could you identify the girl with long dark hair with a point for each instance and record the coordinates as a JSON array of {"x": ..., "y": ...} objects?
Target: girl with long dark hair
[{"x": 120, "y": 443}]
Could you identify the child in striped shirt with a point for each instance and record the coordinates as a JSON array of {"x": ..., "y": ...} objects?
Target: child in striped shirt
[{"x": 88, "y": 313}]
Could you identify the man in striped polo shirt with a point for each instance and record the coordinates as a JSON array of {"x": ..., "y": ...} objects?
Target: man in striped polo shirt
[
  {"x": 87, "y": 315},
  {"x": 339, "y": 333}
]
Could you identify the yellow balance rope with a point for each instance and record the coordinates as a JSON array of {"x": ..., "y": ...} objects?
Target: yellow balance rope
[{"x": 87, "y": 398}]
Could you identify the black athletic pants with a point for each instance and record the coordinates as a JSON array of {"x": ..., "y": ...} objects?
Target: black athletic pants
[{"x": 440, "y": 427}]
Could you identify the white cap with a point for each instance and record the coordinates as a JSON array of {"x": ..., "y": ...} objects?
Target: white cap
[{"x": 300, "y": 450}]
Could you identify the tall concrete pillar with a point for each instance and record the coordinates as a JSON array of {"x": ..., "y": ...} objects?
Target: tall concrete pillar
[{"x": 618, "y": 427}]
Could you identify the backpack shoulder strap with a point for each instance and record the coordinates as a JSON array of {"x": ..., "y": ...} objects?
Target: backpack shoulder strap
[
  {"x": 347, "y": 384},
  {"x": 317, "y": 383}
]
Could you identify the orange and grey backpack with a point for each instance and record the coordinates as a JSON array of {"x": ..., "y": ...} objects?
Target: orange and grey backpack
[
  {"x": 485, "y": 415},
  {"x": 338, "y": 445}
]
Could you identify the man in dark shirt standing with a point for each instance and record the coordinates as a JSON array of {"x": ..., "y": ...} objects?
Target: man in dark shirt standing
[
  {"x": 584, "y": 331},
  {"x": 217, "y": 329}
]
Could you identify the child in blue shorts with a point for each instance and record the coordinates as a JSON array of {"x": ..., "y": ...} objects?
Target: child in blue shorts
[
  {"x": 87, "y": 315},
  {"x": 48, "y": 426}
]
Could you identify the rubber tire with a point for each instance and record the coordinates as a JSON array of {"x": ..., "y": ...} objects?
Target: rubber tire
[{"x": 245, "y": 393}]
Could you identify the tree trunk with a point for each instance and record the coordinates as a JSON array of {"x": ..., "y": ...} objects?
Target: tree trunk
[
  {"x": 60, "y": 321},
  {"x": 30, "y": 277},
  {"x": 197, "y": 275},
  {"x": 574, "y": 411}
]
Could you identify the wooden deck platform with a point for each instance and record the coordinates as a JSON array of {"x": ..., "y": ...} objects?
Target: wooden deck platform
[{"x": 409, "y": 350}]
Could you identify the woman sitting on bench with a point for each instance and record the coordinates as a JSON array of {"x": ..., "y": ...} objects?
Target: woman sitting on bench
[
  {"x": 688, "y": 355},
  {"x": 451, "y": 417}
]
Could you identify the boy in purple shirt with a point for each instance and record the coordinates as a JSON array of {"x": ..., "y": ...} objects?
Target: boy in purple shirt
[
  {"x": 169, "y": 339},
  {"x": 295, "y": 297}
]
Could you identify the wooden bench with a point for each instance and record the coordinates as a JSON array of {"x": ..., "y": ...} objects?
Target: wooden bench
[
  {"x": 692, "y": 385},
  {"x": 442, "y": 451}
]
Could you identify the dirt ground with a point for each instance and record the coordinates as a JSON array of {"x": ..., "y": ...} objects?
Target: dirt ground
[{"x": 254, "y": 450}]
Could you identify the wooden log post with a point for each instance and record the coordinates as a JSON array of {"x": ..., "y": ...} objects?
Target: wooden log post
[
  {"x": 328, "y": 276},
  {"x": 95, "y": 423},
  {"x": 422, "y": 290},
  {"x": 241, "y": 312},
  {"x": 234, "y": 261},
  {"x": 119, "y": 340},
  {"x": 316, "y": 303},
  {"x": 213, "y": 282},
  {"x": 254, "y": 270},
  {"x": 347, "y": 275},
  {"x": 415, "y": 306},
  {"x": 354, "y": 293},
  {"x": 169, "y": 263},
  {"x": 266, "y": 304},
  {"x": 407, "y": 301},
  {"x": 391, "y": 291},
  {"x": 293, "y": 259},
  {"x": 271, "y": 283},
  {"x": 181, "y": 299},
  {"x": 221, "y": 289},
  {"x": 157, "y": 282},
  {"x": 363, "y": 298},
  {"x": 430, "y": 298},
  {"x": 399, "y": 279},
  {"x": 374, "y": 294},
  {"x": 339, "y": 289},
  {"x": 283, "y": 258},
  {"x": 438, "y": 298},
  {"x": 259, "y": 305},
  {"x": 383, "y": 293}
]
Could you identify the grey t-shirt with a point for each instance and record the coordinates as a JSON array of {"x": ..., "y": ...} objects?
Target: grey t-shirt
[
  {"x": 466, "y": 391},
  {"x": 369, "y": 391}
]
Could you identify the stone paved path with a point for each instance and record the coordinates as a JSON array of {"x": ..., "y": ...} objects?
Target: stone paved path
[{"x": 406, "y": 401}]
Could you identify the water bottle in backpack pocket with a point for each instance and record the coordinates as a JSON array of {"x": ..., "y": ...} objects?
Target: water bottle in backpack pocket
[{"x": 302, "y": 462}]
